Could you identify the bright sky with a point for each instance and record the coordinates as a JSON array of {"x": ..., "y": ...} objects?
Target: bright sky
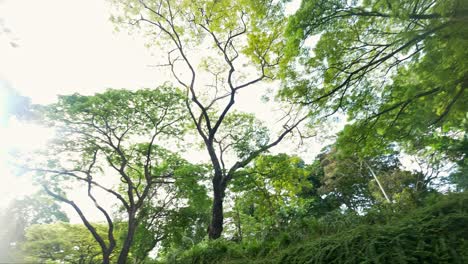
[
  {"x": 60, "y": 47},
  {"x": 66, "y": 46}
]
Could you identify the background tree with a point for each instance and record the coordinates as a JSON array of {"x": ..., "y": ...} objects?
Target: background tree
[
  {"x": 21, "y": 214},
  {"x": 363, "y": 182},
  {"x": 268, "y": 193},
  {"x": 244, "y": 45},
  {"x": 460, "y": 175},
  {"x": 106, "y": 139},
  {"x": 62, "y": 242}
]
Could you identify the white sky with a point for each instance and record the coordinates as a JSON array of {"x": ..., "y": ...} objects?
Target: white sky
[
  {"x": 67, "y": 46},
  {"x": 63, "y": 46}
]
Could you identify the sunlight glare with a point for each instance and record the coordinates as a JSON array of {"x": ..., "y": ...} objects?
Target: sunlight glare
[{"x": 18, "y": 136}]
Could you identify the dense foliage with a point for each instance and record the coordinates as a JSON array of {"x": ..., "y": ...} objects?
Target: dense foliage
[
  {"x": 435, "y": 233},
  {"x": 397, "y": 69},
  {"x": 390, "y": 188}
]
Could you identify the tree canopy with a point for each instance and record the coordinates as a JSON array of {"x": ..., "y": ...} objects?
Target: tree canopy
[
  {"x": 389, "y": 187},
  {"x": 396, "y": 68}
]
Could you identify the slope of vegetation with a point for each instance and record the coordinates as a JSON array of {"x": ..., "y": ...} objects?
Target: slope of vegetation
[{"x": 432, "y": 234}]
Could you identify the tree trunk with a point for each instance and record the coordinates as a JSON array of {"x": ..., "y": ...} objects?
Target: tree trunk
[
  {"x": 105, "y": 258},
  {"x": 239, "y": 226},
  {"x": 128, "y": 240},
  {"x": 217, "y": 217}
]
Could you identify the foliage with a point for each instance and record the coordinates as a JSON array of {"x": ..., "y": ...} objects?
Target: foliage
[
  {"x": 21, "y": 214},
  {"x": 241, "y": 135},
  {"x": 396, "y": 68},
  {"x": 192, "y": 23},
  {"x": 267, "y": 195},
  {"x": 460, "y": 175},
  {"x": 343, "y": 178},
  {"x": 177, "y": 216},
  {"x": 108, "y": 143},
  {"x": 423, "y": 236},
  {"x": 419, "y": 236},
  {"x": 35, "y": 209},
  {"x": 243, "y": 43},
  {"x": 398, "y": 71},
  {"x": 61, "y": 243}
]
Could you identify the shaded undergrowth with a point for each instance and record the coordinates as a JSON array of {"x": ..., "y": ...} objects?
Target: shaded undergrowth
[{"x": 437, "y": 233}]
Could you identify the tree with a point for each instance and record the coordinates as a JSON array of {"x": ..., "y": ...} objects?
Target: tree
[
  {"x": 21, "y": 214},
  {"x": 107, "y": 139},
  {"x": 347, "y": 179},
  {"x": 362, "y": 182},
  {"x": 460, "y": 175},
  {"x": 269, "y": 190},
  {"x": 179, "y": 211},
  {"x": 243, "y": 44},
  {"x": 397, "y": 68},
  {"x": 38, "y": 208},
  {"x": 62, "y": 243}
]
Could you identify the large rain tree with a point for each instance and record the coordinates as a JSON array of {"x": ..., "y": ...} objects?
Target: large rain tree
[
  {"x": 215, "y": 49},
  {"x": 106, "y": 147}
]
